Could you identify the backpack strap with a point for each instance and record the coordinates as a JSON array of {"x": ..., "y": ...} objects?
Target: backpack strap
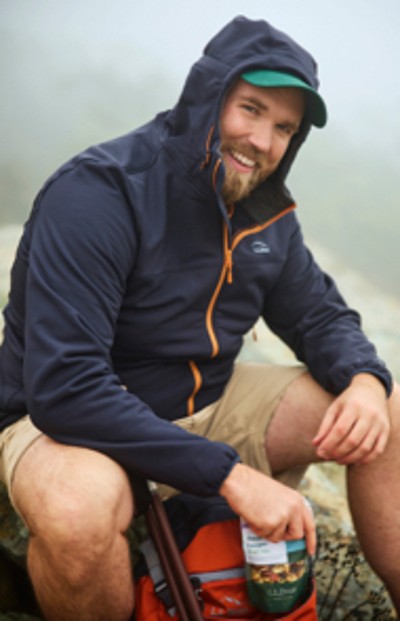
[
  {"x": 157, "y": 576},
  {"x": 223, "y": 574}
]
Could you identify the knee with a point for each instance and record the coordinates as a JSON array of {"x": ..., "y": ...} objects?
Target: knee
[
  {"x": 78, "y": 514},
  {"x": 394, "y": 399},
  {"x": 394, "y": 411},
  {"x": 74, "y": 531}
]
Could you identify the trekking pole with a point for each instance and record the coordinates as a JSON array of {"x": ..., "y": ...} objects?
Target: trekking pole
[
  {"x": 188, "y": 607},
  {"x": 166, "y": 565}
]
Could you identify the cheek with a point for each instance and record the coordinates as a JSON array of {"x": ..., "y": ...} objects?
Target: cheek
[
  {"x": 279, "y": 149},
  {"x": 232, "y": 126}
]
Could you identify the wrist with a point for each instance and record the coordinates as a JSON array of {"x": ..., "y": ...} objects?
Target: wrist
[
  {"x": 232, "y": 481},
  {"x": 369, "y": 380}
]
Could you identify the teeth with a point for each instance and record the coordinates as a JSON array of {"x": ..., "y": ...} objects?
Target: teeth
[{"x": 243, "y": 159}]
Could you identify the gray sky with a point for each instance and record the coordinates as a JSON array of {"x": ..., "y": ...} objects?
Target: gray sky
[
  {"x": 77, "y": 72},
  {"x": 356, "y": 43}
]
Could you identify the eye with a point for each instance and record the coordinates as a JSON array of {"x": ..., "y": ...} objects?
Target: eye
[
  {"x": 250, "y": 108},
  {"x": 287, "y": 130}
]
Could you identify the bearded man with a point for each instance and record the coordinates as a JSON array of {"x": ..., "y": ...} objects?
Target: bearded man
[{"x": 143, "y": 264}]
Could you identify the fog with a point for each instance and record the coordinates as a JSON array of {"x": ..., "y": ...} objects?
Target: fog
[{"x": 76, "y": 73}]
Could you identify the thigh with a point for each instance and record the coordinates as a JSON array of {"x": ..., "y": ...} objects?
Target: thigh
[
  {"x": 53, "y": 482},
  {"x": 296, "y": 421}
]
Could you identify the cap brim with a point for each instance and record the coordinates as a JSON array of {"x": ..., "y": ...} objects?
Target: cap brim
[{"x": 316, "y": 109}]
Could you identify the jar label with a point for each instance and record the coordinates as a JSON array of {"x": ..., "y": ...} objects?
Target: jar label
[{"x": 260, "y": 551}]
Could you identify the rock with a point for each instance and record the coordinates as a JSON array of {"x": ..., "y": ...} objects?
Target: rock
[
  {"x": 15, "y": 589},
  {"x": 15, "y": 592},
  {"x": 8, "y": 587},
  {"x": 347, "y": 587},
  {"x": 13, "y": 533}
]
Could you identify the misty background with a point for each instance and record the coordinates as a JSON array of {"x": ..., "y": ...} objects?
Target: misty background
[{"x": 80, "y": 72}]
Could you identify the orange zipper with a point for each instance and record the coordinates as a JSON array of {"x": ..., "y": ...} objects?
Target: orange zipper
[
  {"x": 226, "y": 271},
  {"x": 198, "y": 380},
  {"x": 226, "y": 274},
  {"x": 259, "y": 227}
]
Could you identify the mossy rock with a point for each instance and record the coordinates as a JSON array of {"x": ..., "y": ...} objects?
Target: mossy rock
[{"x": 13, "y": 532}]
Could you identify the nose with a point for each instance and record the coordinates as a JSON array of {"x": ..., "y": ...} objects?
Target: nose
[{"x": 261, "y": 137}]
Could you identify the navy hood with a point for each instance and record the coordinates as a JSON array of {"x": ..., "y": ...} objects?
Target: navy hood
[{"x": 241, "y": 46}]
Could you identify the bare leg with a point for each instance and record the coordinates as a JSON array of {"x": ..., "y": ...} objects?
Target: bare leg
[
  {"x": 77, "y": 505},
  {"x": 295, "y": 423},
  {"x": 374, "y": 499},
  {"x": 373, "y": 489}
]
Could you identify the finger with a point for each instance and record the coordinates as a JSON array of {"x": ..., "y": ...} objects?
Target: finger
[
  {"x": 368, "y": 447},
  {"x": 334, "y": 446},
  {"x": 378, "y": 450},
  {"x": 302, "y": 526},
  {"x": 273, "y": 532},
  {"x": 277, "y": 535},
  {"x": 355, "y": 457},
  {"x": 276, "y": 527},
  {"x": 359, "y": 441},
  {"x": 327, "y": 424},
  {"x": 295, "y": 528},
  {"x": 370, "y": 453},
  {"x": 310, "y": 532}
]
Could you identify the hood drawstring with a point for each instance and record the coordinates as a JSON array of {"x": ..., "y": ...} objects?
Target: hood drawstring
[{"x": 207, "y": 158}]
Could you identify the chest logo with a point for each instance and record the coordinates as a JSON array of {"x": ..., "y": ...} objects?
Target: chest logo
[{"x": 260, "y": 247}]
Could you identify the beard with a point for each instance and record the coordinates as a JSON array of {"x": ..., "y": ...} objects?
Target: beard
[{"x": 238, "y": 185}]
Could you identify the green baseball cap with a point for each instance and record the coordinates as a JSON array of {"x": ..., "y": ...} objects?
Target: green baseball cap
[{"x": 316, "y": 108}]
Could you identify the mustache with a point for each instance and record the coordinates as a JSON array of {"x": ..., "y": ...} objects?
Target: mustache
[{"x": 247, "y": 150}]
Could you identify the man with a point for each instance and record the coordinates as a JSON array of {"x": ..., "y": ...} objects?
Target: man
[{"x": 143, "y": 264}]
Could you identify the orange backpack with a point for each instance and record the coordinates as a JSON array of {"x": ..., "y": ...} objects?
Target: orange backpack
[{"x": 208, "y": 533}]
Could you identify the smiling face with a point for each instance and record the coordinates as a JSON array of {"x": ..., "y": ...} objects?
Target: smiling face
[{"x": 257, "y": 125}]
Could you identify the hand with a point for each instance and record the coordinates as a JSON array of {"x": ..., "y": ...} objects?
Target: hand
[
  {"x": 356, "y": 427},
  {"x": 271, "y": 509}
]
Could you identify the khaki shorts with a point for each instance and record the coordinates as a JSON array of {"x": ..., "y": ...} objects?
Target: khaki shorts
[
  {"x": 14, "y": 441},
  {"x": 242, "y": 415},
  {"x": 240, "y": 418}
]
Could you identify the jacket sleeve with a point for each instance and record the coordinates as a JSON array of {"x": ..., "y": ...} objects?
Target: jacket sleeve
[
  {"x": 308, "y": 313},
  {"x": 83, "y": 244}
]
